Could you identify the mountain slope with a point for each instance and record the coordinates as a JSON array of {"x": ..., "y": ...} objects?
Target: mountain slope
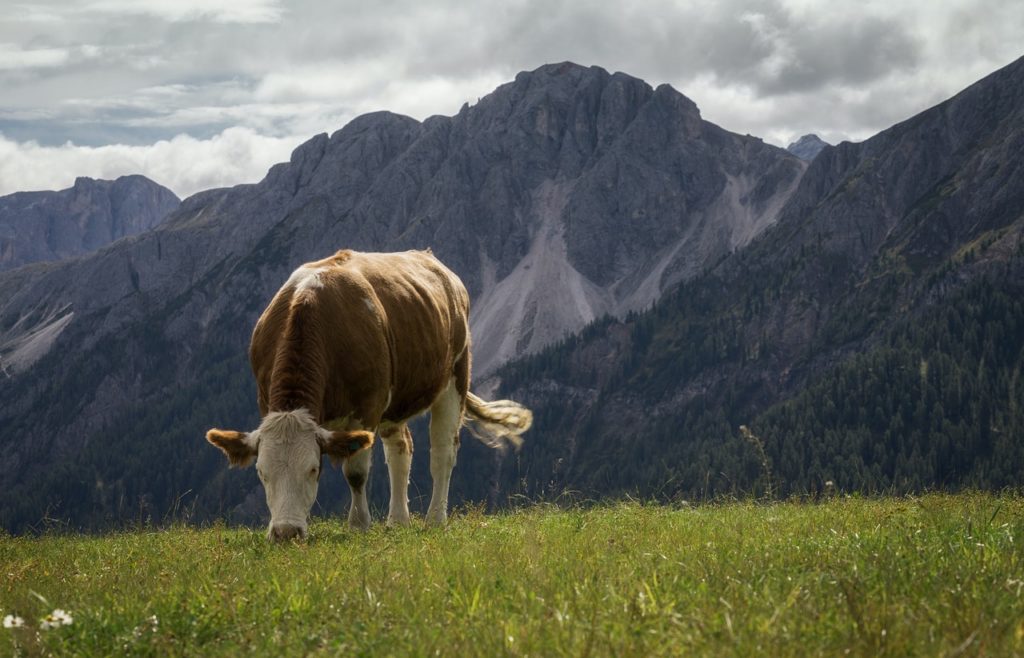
[
  {"x": 871, "y": 338},
  {"x": 45, "y": 226},
  {"x": 564, "y": 195}
]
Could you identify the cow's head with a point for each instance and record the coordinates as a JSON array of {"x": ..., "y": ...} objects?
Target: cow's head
[{"x": 288, "y": 448}]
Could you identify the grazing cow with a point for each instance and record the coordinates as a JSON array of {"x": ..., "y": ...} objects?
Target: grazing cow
[{"x": 353, "y": 345}]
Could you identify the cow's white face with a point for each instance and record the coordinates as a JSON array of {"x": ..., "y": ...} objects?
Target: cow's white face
[
  {"x": 289, "y": 468},
  {"x": 287, "y": 448}
]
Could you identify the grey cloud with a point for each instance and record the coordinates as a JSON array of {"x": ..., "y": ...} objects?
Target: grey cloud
[
  {"x": 731, "y": 40},
  {"x": 842, "y": 54},
  {"x": 776, "y": 68}
]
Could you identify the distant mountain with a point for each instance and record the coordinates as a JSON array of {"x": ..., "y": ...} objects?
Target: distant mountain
[
  {"x": 873, "y": 338},
  {"x": 807, "y": 147},
  {"x": 860, "y": 314},
  {"x": 565, "y": 195},
  {"x": 46, "y": 226}
]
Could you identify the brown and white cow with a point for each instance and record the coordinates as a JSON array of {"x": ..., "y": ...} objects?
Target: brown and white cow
[{"x": 353, "y": 345}]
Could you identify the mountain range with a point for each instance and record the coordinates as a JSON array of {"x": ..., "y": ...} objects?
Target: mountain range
[
  {"x": 568, "y": 199},
  {"x": 48, "y": 226},
  {"x": 871, "y": 340}
]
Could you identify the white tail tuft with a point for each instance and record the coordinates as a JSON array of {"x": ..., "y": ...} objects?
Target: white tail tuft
[{"x": 497, "y": 423}]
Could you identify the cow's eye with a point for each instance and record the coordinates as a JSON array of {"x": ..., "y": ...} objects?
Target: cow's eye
[{"x": 313, "y": 471}]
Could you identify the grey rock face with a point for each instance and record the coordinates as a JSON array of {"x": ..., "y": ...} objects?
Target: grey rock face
[
  {"x": 47, "y": 226},
  {"x": 807, "y": 147},
  {"x": 925, "y": 185},
  {"x": 565, "y": 195},
  {"x": 876, "y": 234}
]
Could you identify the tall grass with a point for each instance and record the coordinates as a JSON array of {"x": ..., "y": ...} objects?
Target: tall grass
[{"x": 935, "y": 575}]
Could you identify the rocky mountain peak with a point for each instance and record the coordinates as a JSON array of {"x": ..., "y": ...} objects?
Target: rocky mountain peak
[
  {"x": 564, "y": 71},
  {"x": 46, "y": 226},
  {"x": 567, "y": 88},
  {"x": 807, "y": 147}
]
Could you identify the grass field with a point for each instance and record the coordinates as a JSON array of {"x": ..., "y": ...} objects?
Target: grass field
[{"x": 935, "y": 575}]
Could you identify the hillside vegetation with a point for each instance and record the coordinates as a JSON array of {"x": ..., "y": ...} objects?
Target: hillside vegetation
[
  {"x": 934, "y": 575},
  {"x": 930, "y": 400}
]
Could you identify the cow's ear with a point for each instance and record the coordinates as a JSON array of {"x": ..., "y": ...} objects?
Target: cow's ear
[
  {"x": 239, "y": 447},
  {"x": 342, "y": 445}
]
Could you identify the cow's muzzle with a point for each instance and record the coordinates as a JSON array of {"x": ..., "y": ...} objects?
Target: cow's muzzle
[{"x": 286, "y": 531}]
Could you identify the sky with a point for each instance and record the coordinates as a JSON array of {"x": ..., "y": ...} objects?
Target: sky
[{"x": 207, "y": 93}]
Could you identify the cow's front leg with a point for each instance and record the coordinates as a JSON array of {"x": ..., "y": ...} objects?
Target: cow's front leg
[
  {"x": 398, "y": 455},
  {"x": 357, "y": 472}
]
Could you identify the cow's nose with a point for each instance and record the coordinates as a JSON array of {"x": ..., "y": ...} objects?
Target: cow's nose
[{"x": 285, "y": 531}]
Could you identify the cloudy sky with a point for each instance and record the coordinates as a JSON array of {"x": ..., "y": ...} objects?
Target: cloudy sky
[{"x": 205, "y": 93}]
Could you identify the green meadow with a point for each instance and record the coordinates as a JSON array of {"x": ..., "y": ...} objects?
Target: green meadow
[{"x": 931, "y": 575}]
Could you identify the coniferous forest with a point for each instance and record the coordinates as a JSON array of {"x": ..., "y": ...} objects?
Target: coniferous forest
[{"x": 926, "y": 398}]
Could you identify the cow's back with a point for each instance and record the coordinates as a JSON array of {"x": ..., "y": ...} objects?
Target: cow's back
[{"x": 387, "y": 331}]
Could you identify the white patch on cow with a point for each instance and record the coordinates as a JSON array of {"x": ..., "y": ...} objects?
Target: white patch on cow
[
  {"x": 370, "y": 305},
  {"x": 445, "y": 421},
  {"x": 288, "y": 465},
  {"x": 305, "y": 278},
  {"x": 398, "y": 456}
]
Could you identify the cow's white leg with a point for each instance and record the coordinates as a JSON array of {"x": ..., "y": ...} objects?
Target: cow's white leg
[
  {"x": 445, "y": 420},
  {"x": 398, "y": 455},
  {"x": 357, "y": 472}
]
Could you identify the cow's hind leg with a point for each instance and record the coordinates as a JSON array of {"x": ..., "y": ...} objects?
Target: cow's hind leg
[
  {"x": 398, "y": 455},
  {"x": 445, "y": 420},
  {"x": 357, "y": 472}
]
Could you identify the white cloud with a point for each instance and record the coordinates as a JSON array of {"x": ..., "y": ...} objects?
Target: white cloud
[
  {"x": 13, "y": 57},
  {"x": 324, "y": 80},
  {"x": 219, "y": 11},
  {"x": 426, "y": 96},
  {"x": 184, "y": 164}
]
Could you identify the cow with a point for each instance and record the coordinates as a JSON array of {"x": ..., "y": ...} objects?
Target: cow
[{"x": 353, "y": 346}]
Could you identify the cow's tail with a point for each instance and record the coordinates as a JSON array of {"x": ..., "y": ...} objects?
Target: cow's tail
[{"x": 497, "y": 423}]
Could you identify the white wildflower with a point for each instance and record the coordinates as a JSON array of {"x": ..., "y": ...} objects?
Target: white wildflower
[
  {"x": 63, "y": 617},
  {"x": 13, "y": 621},
  {"x": 152, "y": 624},
  {"x": 55, "y": 619}
]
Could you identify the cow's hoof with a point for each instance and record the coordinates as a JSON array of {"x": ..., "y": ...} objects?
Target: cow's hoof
[
  {"x": 359, "y": 522},
  {"x": 398, "y": 521},
  {"x": 437, "y": 519}
]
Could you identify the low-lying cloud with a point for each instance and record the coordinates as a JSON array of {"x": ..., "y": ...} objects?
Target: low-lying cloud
[
  {"x": 184, "y": 164},
  {"x": 174, "y": 77}
]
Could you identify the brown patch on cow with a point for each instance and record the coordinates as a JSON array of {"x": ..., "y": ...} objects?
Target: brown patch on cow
[
  {"x": 233, "y": 445},
  {"x": 327, "y": 350},
  {"x": 339, "y": 446},
  {"x": 299, "y": 367}
]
